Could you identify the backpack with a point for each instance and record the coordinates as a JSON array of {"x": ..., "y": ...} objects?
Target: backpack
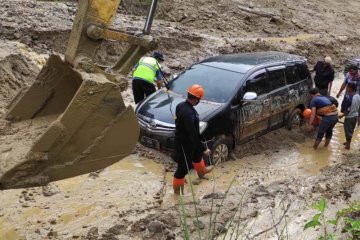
[{"x": 333, "y": 100}]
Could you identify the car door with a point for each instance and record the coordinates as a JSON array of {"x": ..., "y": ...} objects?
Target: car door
[
  {"x": 252, "y": 117},
  {"x": 278, "y": 95},
  {"x": 299, "y": 82}
]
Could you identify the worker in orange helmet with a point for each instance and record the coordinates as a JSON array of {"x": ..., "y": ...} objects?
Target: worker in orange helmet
[
  {"x": 189, "y": 149},
  {"x": 307, "y": 115}
]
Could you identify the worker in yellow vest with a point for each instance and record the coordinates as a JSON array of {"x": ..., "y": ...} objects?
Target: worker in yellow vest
[{"x": 147, "y": 73}]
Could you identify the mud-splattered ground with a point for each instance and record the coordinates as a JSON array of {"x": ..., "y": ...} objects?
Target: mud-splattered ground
[{"x": 273, "y": 179}]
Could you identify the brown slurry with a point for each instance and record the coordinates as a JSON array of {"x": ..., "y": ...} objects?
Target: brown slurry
[{"x": 188, "y": 31}]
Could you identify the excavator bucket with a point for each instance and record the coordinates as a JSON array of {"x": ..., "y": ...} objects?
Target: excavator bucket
[
  {"x": 73, "y": 117},
  {"x": 74, "y": 123}
]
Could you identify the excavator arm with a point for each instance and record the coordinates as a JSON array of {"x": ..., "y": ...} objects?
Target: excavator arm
[{"x": 76, "y": 117}]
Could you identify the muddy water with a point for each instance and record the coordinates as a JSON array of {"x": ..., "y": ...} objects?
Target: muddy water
[
  {"x": 302, "y": 160},
  {"x": 312, "y": 161},
  {"x": 87, "y": 200}
]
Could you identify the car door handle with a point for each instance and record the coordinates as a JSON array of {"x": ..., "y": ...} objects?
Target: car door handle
[{"x": 266, "y": 102}]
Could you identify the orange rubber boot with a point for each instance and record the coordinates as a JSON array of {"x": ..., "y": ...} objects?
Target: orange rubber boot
[
  {"x": 201, "y": 169},
  {"x": 178, "y": 185}
]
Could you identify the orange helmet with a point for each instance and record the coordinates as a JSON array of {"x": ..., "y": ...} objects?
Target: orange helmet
[
  {"x": 307, "y": 113},
  {"x": 196, "y": 90}
]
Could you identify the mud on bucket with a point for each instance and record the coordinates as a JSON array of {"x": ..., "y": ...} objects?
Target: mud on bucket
[{"x": 90, "y": 127}]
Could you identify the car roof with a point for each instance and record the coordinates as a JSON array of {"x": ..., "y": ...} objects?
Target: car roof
[{"x": 242, "y": 62}]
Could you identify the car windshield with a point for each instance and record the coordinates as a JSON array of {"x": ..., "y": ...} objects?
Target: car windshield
[{"x": 218, "y": 84}]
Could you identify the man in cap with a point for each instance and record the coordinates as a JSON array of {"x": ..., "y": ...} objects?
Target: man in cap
[
  {"x": 147, "y": 73},
  {"x": 189, "y": 149}
]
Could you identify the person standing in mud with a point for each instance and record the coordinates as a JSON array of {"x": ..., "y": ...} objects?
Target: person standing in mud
[
  {"x": 324, "y": 76},
  {"x": 147, "y": 73},
  {"x": 189, "y": 150},
  {"x": 350, "y": 108},
  {"x": 353, "y": 76},
  {"x": 323, "y": 107}
]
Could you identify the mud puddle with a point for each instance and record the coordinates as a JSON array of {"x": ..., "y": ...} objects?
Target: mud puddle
[
  {"x": 300, "y": 161},
  {"x": 313, "y": 161},
  {"x": 69, "y": 207}
]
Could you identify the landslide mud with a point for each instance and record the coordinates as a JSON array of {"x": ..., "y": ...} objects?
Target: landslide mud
[
  {"x": 71, "y": 208},
  {"x": 276, "y": 175}
]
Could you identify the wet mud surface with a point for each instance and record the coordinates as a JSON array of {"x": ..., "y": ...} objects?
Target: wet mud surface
[{"x": 271, "y": 181}]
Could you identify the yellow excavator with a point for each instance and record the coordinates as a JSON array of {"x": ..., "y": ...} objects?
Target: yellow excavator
[{"x": 76, "y": 118}]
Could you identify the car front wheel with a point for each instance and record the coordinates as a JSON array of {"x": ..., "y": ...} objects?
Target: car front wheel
[
  {"x": 220, "y": 151},
  {"x": 295, "y": 119}
]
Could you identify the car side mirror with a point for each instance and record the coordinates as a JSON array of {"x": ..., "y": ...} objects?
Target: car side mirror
[{"x": 249, "y": 96}]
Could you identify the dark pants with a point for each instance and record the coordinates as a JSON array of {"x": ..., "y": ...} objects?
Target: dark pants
[
  {"x": 326, "y": 127},
  {"x": 142, "y": 89},
  {"x": 349, "y": 126},
  {"x": 184, "y": 158},
  {"x": 323, "y": 91}
]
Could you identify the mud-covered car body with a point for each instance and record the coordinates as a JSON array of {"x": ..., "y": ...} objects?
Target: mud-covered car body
[{"x": 281, "y": 82}]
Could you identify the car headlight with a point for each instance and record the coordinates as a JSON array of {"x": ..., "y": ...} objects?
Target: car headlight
[{"x": 202, "y": 126}]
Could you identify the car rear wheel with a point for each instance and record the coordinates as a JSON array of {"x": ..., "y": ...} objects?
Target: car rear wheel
[
  {"x": 220, "y": 151},
  {"x": 295, "y": 119}
]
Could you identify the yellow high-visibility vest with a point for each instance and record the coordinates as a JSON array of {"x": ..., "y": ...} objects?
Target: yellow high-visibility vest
[{"x": 146, "y": 69}]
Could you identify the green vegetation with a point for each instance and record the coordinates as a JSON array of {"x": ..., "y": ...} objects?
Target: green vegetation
[{"x": 349, "y": 217}]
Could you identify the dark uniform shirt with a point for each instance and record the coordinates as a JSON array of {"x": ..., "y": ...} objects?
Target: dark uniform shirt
[
  {"x": 324, "y": 74},
  {"x": 187, "y": 134}
]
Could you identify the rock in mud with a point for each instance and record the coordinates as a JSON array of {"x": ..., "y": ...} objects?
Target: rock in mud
[
  {"x": 52, "y": 234},
  {"x": 52, "y": 221},
  {"x": 321, "y": 187},
  {"x": 217, "y": 195},
  {"x": 50, "y": 190},
  {"x": 220, "y": 228},
  {"x": 93, "y": 234},
  {"x": 254, "y": 214},
  {"x": 170, "y": 236},
  {"x": 116, "y": 229},
  {"x": 199, "y": 224},
  {"x": 93, "y": 175},
  {"x": 156, "y": 226}
]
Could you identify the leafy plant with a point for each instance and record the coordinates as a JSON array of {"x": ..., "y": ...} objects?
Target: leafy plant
[
  {"x": 349, "y": 215},
  {"x": 353, "y": 227},
  {"x": 319, "y": 220}
]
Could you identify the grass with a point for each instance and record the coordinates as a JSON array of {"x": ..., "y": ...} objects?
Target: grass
[
  {"x": 233, "y": 228},
  {"x": 348, "y": 219}
]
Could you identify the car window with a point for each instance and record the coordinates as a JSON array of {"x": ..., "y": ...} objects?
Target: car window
[
  {"x": 291, "y": 76},
  {"x": 257, "y": 84},
  {"x": 276, "y": 79},
  {"x": 302, "y": 71},
  {"x": 219, "y": 84}
]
